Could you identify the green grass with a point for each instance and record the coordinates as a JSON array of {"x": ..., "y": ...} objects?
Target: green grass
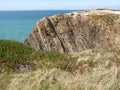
[
  {"x": 105, "y": 18},
  {"x": 16, "y": 52}
]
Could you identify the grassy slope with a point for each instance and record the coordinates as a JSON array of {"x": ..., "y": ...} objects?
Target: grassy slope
[
  {"x": 54, "y": 71},
  {"x": 16, "y": 52}
]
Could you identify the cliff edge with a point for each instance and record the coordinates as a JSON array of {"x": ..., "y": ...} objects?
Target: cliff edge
[{"x": 76, "y": 31}]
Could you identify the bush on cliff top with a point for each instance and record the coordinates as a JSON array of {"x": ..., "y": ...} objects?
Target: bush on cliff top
[
  {"x": 17, "y": 53},
  {"x": 12, "y": 53},
  {"x": 14, "y": 50}
]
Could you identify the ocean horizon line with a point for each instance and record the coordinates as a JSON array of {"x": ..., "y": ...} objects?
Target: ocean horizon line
[
  {"x": 59, "y": 9},
  {"x": 48, "y": 10}
]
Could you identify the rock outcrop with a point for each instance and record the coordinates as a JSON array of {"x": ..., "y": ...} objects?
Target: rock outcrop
[{"x": 76, "y": 31}]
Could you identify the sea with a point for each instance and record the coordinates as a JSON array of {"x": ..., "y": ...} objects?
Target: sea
[{"x": 17, "y": 25}]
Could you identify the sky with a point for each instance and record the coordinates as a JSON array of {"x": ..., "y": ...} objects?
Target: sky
[{"x": 57, "y": 4}]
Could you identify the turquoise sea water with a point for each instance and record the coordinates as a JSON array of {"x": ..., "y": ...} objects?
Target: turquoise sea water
[{"x": 17, "y": 25}]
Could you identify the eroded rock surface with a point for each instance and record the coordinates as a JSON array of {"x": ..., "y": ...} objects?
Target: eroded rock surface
[{"x": 77, "y": 31}]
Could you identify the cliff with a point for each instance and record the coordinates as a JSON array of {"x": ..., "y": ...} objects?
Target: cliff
[{"x": 76, "y": 31}]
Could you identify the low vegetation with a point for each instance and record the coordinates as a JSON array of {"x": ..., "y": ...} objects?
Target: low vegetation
[
  {"x": 106, "y": 18},
  {"x": 13, "y": 53},
  {"x": 96, "y": 69}
]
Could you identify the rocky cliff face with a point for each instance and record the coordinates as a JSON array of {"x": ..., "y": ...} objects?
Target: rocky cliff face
[{"x": 77, "y": 31}]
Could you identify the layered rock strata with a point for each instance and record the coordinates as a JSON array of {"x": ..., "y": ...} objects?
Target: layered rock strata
[{"x": 76, "y": 31}]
